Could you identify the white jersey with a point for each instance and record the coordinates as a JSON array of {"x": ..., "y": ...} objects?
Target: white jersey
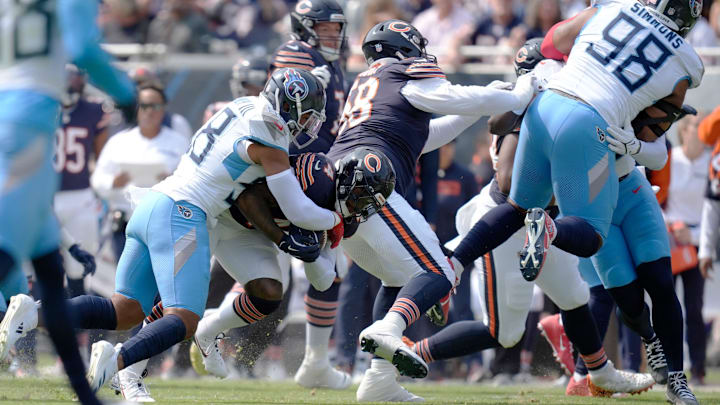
[
  {"x": 216, "y": 168},
  {"x": 32, "y": 56},
  {"x": 624, "y": 60}
]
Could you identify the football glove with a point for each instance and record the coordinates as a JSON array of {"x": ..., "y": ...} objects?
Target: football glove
[
  {"x": 301, "y": 244},
  {"x": 85, "y": 258},
  {"x": 322, "y": 73},
  {"x": 623, "y": 141},
  {"x": 438, "y": 313}
]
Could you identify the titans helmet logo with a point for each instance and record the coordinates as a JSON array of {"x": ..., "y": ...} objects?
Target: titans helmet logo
[{"x": 295, "y": 85}]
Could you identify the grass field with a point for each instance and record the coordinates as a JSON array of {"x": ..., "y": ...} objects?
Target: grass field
[{"x": 207, "y": 391}]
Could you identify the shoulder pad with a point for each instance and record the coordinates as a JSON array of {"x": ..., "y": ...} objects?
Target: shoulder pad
[
  {"x": 421, "y": 68},
  {"x": 294, "y": 54},
  {"x": 694, "y": 66}
]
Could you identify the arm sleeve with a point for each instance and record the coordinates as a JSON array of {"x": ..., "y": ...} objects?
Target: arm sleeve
[
  {"x": 81, "y": 39},
  {"x": 439, "y": 96},
  {"x": 709, "y": 228},
  {"x": 447, "y": 128},
  {"x": 652, "y": 155},
  {"x": 321, "y": 272},
  {"x": 297, "y": 207}
]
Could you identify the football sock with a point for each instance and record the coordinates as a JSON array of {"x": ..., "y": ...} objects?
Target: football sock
[
  {"x": 383, "y": 301},
  {"x": 582, "y": 332},
  {"x": 456, "y": 340},
  {"x": 50, "y": 274},
  {"x": 6, "y": 264},
  {"x": 321, "y": 309},
  {"x": 574, "y": 235},
  {"x": 494, "y": 228},
  {"x": 75, "y": 287},
  {"x": 418, "y": 295},
  {"x": 242, "y": 311},
  {"x": 656, "y": 278},
  {"x": 630, "y": 300},
  {"x": 92, "y": 312},
  {"x": 601, "y": 306},
  {"x": 153, "y": 339},
  {"x": 155, "y": 314}
]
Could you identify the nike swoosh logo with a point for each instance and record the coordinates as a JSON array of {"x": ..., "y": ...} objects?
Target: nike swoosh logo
[
  {"x": 636, "y": 190},
  {"x": 293, "y": 47},
  {"x": 278, "y": 126}
]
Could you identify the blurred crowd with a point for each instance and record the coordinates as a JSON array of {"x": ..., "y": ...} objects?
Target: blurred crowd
[{"x": 217, "y": 26}]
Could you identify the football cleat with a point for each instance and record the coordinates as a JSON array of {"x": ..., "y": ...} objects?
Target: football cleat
[
  {"x": 322, "y": 376},
  {"x": 20, "y": 318},
  {"x": 607, "y": 381},
  {"x": 554, "y": 333},
  {"x": 578, "y": 388},
  {"x": 380, "y": 340},
  {"x": 678, "y": 392},
  {"x": 130, "y": 382},
  {"x": 211, "y": 357},
  {"x": 656, "y": 360},
  {"x": 539, "y": 234},
  {"x": 103, "y": 364},
  {"x": 379, "y": 384},
  {"x": 438, "y": 313}
]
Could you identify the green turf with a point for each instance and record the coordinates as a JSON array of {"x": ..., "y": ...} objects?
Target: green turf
[{"x": 207, "y": 391}]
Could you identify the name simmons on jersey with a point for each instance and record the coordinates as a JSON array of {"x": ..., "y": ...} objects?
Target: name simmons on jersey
[{"x": 671, "y": 36}]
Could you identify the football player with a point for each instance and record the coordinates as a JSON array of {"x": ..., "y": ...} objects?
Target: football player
[
  {"x": 318, "y": 35},
  {"x": 168, "y": 248},
  {"x": 31, "y": 87},
  {"x": 80, "y": 139},
  {"x": 571, "y": 157},
  {"x": 388, "y": 112},
  {"x": 506, "y": 294}
]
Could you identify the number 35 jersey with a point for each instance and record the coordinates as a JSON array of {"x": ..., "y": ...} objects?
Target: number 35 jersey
[
  {"x": 216, "y": 168},
  {"x": 624, "y": 60}
]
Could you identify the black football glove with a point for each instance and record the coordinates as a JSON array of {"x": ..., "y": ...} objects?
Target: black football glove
[
  {"x": 83, "y": 257},
  {"x": 300, "y": 244}
]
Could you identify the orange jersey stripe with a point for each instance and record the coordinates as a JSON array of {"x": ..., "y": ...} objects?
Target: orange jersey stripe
[
  {"x": 490, "y": 293},
  {"x": 298, "y": 54}
]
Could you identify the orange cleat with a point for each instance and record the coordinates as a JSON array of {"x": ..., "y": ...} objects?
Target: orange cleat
[
  {"x": 554, "y": 333},
  {"x": 578, "y": 388}
]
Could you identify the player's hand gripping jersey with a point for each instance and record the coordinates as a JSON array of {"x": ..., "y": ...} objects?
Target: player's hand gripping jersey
[
  {"x": 300, "y": 55},
  {"x": 624, "y": 60},
  {"x": 213, "y": 172}
]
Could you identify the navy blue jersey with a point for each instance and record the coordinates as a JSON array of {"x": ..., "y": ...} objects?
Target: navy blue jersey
[
  {"x": 300, "y": 55},
  {"x": 378, "y": 116},
  {"x": 456, "y": 186},
  {"x": 75, "y": 142}
]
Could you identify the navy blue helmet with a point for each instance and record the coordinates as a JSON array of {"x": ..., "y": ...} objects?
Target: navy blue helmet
[
  {"x": 528, "y": 56},
  {"x": 365, "y": 180},
  {"x": 678, "y": 15},
  {"x": 249, "y": 76},
  {"x": 307, "y": 14},
  {"x": 395, "y": 39}
]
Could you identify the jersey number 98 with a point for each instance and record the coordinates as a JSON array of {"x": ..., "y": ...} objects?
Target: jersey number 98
[
  {"x": 650, "y": 53},
  {"x": 359, "y": 103}
]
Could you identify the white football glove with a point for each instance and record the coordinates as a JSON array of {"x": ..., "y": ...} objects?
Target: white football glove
[
  {"x": 322, "y": 73},
  {"x": 622, "y": 140},
  {"x": 500, "y": 85},
  {"x": 525, "y": 91}
]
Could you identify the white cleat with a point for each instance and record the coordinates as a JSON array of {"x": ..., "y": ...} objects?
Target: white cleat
[
  {"x": 607, "y": 381},
  {"x": 382, "y": 340},
  {"x": 322, "y": 376},
  {"x": 130, "y": 382},
  {"x": 20, "y": 318},
  {"x": 379, "y": 384},
  {"x": 103, "y": 364},
  {"x": 211, "y": 357}
]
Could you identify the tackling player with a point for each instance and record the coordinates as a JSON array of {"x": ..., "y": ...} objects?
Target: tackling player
[
  {"x": 388, "y": 112},
  {"x": 31, "y": 86},
  {"x": 318, "y": 31}
]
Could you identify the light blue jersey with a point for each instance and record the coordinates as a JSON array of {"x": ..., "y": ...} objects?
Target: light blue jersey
[{"x": 37, "y": 39}]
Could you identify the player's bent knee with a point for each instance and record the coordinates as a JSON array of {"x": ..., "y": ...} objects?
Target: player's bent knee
[
  {"x": 510, "y": 339},
  {"x": 265, "y": 288},
  {"x": 574, "y": 298},
  {"x": 189, "y": 319},
  {"x": 128, "y": 311}
]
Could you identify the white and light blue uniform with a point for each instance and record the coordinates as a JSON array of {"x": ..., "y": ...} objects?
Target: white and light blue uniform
[
  {"x": 37, "y": 38},
  {"x": 168, "y": 247},
  {"x": 623, "y": 60}
]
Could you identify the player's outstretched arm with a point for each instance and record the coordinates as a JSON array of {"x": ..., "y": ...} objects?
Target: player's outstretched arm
[
  {"x": 284, "y": 186},
  {"x": 81, "y": 39},
  {"x": 560, "y": 38}
]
